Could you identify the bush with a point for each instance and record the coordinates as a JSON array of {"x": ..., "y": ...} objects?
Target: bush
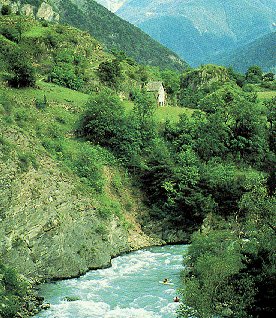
[
  {"x": 68, "y": 70},
  {"x": 52, "y": 41},
  {"x": 23, "y": 73},
  {"x": 11, "y": 34},
  {"x": 6, "y": 10},
  {"x": 45, "y": 23},
  {"x": 13, "y": 289},
  {"x": 27, "y": 160},
  {"x": 41, "y": 103},
  {"x": 215, "y": 283},
  {"x": 64, "y": 74},
  {"x": 249, "y": 88},
  {"x": 109, "y": 73},
  {"x": 102, "y": 118},
  {"x": 254, "y": 74}
]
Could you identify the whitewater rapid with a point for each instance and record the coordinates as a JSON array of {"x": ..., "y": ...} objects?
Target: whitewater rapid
[{"x": 131, "y": 288}]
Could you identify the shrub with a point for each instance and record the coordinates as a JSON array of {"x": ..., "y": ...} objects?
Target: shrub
[
  {"x": 13, "y": 288},
  {"x": 45, "y": 23},
  {"x": 214, "y": 279},
  {"x": 41, "y": 103},
  {"x": 64, "y": 74},
  {"x": 249, "y": 88},
  {"x": 254, "y": 74},
  {"x": 23, "y": 73},
  {"x": 11, "y": 34},
  {"x": 109, "y": 73},
  {"x": 102, "y": 118},
  {"x": 68, "y": 70},
  {"x": 52, "y": 41},
  {"x": 26, "y": 160},
  {"x": 6, "y": 10}
]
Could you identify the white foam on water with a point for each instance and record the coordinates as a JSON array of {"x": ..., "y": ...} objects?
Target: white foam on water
[
  {"x": 170, "y": 291},
  {"x": 128, "y": 289},
  {"x": 127, "y": 264},
  {"x": 90, "y": 309},
  {"x": 75, "y": 309},
  {"x": 130, "y": 313},
  {"x": 170, "y": 309}
]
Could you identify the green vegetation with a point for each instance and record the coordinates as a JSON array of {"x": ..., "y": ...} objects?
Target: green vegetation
[
  {"x": 230, "y": 266},
  {"x": 260, "y": 52},
  {"x": 116, "y": 33},
  {"x": 266, "y": 95},
  {"x": 23, "y": 73},
  {"x": 6, "y": 10},
  {"x": 109, "y": 73},
  {"x": 13, "y": 289},
  {"x": 72, "y": 112}
]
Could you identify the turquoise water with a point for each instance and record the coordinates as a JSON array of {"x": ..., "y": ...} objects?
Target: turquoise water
[{"x": 131, "y": 288}]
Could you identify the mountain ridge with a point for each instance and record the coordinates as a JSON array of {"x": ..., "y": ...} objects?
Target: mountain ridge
[
  {"x": 109, "y": 29},
  {"x": 203, "y": 30},
  {"x": 260, "y": 52}
]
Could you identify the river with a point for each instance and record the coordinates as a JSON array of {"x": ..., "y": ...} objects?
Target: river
[{"x": 131, "y": 288}]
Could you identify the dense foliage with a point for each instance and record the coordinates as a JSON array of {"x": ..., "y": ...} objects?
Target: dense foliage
[
  {"x": 109, "y": 73},
  {"x": 5, "y": 10},
  {"x": 22, "y": 71},
  {"x": 118, "y": 34},
  {"x": 68, "y": 69},
  {"x": 212, "y": 168},
  {"x": 13, "y": 289},
  {"x": 230, "y": 266},
  {"x": 195, "y": 84},
  {"x": 260, "y": 52}
]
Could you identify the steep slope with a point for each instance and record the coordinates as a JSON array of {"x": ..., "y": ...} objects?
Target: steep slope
[
  {"x": 260, "y": 52},
  {"x": 112, "y": 5},
  {"x": 112, "y": 31},
  {"x": 65, "y": 205},
  {"x": 199, "y": 30}
]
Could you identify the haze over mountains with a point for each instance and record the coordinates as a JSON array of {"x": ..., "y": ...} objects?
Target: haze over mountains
[
  {"x": 112, "y": 5},
  {"x": 198, "y": 30},
  {"x": 260, "y": 52},
  {"x": 114, "y": 33}
]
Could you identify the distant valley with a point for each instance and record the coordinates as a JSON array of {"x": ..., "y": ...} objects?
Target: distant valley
[
  {"x": 260, "y": 52},
  {"x": 199, "y": 31}
]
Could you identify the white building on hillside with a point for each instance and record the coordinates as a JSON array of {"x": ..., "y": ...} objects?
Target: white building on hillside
[{"x": 158, "y": 89}]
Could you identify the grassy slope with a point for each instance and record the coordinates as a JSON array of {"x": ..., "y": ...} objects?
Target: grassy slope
[
  {"x": 73, "y": 99},
  {"x": 266, "y": 95},
  {"x": 41, "y": 160},
  {"x": 39, "y": 149},
  {"x": 116, "y": 33}
]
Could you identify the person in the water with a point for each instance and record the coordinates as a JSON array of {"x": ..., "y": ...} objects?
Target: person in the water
[
  {"x": 165, "y": 281},
  {"x": 176, "y": 299}
]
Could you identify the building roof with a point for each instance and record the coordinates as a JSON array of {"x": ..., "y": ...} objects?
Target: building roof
[{"x": 154, "y": 86}]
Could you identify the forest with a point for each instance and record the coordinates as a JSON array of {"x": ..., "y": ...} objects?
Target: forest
[{"x": 211, "y": 173}]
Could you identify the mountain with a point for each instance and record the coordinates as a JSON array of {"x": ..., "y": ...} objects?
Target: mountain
[
  {"x": 200, "y": 30},
  {"x": 109, "y": 29},
  {"x": 260, "y": 52},
  {"x": 112, "y": 5}
]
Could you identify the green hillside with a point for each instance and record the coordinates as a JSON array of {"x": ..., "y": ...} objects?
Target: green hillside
[
  {"x": 66, "y": 205},
  {"x": 113, "y": 32},
  {"x": 92, "y": 168},
  {"x": 261, "y": 52},
  {"x": 198, "y": 30}
]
